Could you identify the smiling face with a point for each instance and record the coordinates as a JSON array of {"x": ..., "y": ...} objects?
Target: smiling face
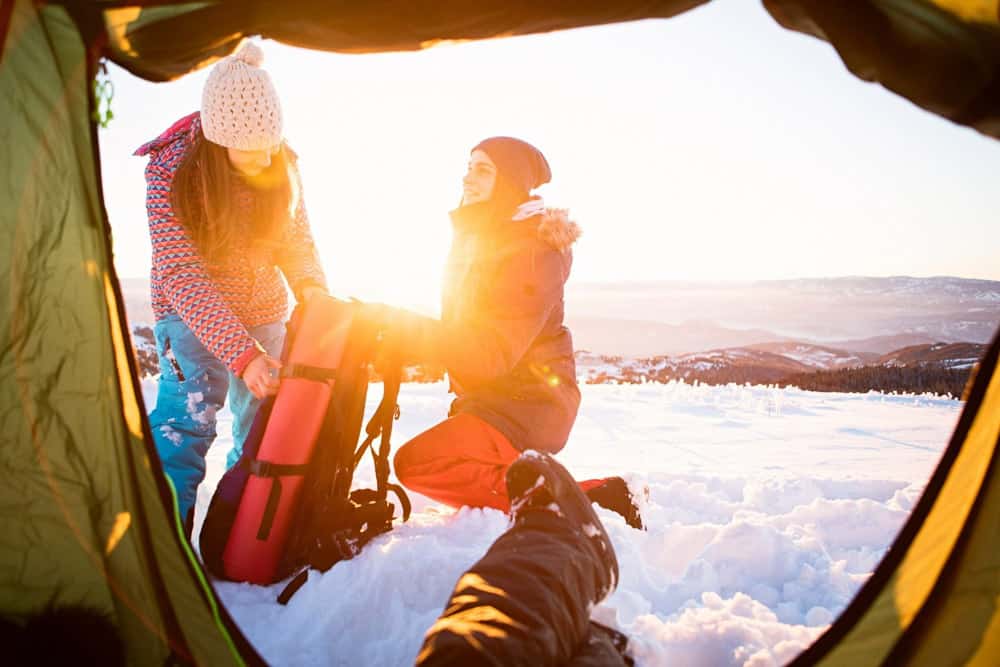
[
  {"x": 251, "y": 163},
  {"x": 480, "y": 179}
]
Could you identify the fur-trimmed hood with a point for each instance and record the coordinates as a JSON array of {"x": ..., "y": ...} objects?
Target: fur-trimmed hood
[{"x": 556, "y": 229}]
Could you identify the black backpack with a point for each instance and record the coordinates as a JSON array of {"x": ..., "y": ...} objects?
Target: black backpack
[{"x": 330, "y": 522}]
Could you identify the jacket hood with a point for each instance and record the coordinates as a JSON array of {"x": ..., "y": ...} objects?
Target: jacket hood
[
  {"x": 186, "y": 128},
  {"x": 556, "y": 229},
  {"x": 552, "y": 225}
]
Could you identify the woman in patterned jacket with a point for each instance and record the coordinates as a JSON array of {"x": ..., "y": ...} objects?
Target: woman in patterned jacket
[{"x": 226, "y": 221}]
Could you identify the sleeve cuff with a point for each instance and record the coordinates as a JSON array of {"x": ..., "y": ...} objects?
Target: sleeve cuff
[
  {"x": 305, "y": 284},
  {"x": 241, "y": 362}
]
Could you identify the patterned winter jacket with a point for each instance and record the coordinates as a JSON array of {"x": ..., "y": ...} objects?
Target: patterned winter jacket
[
  {"x": 501, "y": 334},
  {"x": 220, "y": 301}
]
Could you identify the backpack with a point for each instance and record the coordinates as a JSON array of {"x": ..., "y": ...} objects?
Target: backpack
[{"x": 287, "y": 505}]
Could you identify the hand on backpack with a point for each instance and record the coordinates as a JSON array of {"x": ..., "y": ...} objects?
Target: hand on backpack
[
  {"x": 405, "y": 339},
  {"x": 258, "y": 378},
  {"x": 311, "y": 292}
]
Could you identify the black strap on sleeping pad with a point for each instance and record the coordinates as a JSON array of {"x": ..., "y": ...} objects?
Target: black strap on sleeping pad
[
  {"x": 307, "y": 372},
  {"x": 274, "y": 471},
  {"x": 268, "y": 469},
  {"x": 270, "y": 509}
]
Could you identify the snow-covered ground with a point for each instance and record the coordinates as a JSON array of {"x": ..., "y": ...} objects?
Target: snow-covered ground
[{"x": 767, "y": 509}]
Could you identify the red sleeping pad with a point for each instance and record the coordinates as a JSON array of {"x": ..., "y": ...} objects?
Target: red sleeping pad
[{"x": 252, "y": 554}]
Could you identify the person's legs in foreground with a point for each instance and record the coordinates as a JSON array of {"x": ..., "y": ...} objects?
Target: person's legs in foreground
[
  {"x": 191, "y": 391},
  {"x": 463, "y": 460},
  {"x": 241, "y": 402},
  {"x": 528, "y": 600}
]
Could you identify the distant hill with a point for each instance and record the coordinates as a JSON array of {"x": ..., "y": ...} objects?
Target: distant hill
[
  {"x": 940, "y": 368},
  {"x": 878, "y": 345},
  {"x": 756, "y": 331},
  {"x": 948, "y": 355},
  {"x": 818, "y": 356},
  {"x": 858, "y": 314},
  {"x": 649, "y": 338},
  {"x": 739, "y": 365}
]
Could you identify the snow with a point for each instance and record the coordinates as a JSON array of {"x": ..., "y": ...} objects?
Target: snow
[
  {"x": 204, "y": 417},
  {"x": 170, "y": 434},
  {"x": 767, "y": 509},
  {"x": 819, "y": 358},
  {"x": 960, "y": 364}
]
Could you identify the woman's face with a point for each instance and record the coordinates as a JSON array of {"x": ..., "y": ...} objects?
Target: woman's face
[
  {"x": 251, "y": 163},
  {"x": 479, "y": 180}
]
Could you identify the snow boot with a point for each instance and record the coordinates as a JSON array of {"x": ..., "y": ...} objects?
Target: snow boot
[
  {"x": 613, "y": 494},
  {"x": 536, "y": 482}
]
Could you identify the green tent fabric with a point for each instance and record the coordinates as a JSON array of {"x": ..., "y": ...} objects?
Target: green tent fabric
[
  {"x": 83, "y": 512},
  {"x": 86, "y": 515}
]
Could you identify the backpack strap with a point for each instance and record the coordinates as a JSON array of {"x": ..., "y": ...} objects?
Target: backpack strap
[
  {"x": 391, "y": 384},
  {"x": 380, "y": 426}
]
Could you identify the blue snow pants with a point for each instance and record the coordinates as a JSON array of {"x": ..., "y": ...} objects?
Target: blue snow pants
[{"x": 193, "y": 387}]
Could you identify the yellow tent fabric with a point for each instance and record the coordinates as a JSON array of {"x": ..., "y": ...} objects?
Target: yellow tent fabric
[{"x": 935, "y": 597}]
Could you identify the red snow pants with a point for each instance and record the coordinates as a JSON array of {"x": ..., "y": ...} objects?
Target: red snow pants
[{"x": 461, "y": 461}]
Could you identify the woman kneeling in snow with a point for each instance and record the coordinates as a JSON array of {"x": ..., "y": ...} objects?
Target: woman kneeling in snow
[{"x": 501, "y": 337}]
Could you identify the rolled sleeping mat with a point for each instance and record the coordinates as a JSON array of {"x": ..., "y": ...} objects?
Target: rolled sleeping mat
[{"x": 269, "y": 502}]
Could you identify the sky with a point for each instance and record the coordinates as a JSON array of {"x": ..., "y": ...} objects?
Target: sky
[{"x": 712, "y": 146}]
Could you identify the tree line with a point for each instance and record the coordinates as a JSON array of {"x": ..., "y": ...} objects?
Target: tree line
[
  {"x": 921, "y": 378},
  {"x": 918, "y": 379}
]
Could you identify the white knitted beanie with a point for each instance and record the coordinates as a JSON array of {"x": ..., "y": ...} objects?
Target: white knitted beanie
[{"x": 239, "y": 106}]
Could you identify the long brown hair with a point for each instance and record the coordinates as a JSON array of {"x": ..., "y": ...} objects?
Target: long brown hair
[{"x": 203, "y": 197}]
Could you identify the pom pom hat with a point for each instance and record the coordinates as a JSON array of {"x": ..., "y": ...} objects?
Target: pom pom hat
[{"x": 239, "y": 105}]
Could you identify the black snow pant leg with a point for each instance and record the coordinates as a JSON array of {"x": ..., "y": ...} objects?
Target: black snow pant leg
[
  {"x": 526, "y": 602},
  {"x": 597, "y": 650}
]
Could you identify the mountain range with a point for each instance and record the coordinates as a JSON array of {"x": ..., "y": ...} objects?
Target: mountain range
[
  {"x": 939, "y": 367},
  {"x": 861, "y": 315},
  {"x": 852, "y": 316}
]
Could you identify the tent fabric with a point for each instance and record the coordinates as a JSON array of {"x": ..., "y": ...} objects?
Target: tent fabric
[
  {"x": 86, "y": 518},
  {"x": 86, "y": 515},
  {"x": 943, "y": 55},
  {"x": 935, "y": 598},
  {"x": 940, "y": 55},
  {"x": 162, "y": 43}
]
